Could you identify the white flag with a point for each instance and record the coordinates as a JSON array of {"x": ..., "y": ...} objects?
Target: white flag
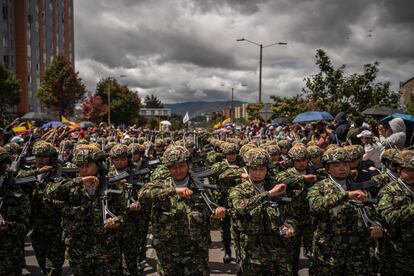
[{"x": 186, "y": 118}]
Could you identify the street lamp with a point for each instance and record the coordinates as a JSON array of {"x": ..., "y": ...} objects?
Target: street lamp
[
  {"x": 261, "y": 57},
  {"x": 232, "y": 98},
  {"x": 109, "y": 96}
]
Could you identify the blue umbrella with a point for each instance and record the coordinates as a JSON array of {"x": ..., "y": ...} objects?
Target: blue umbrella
[
  {"x": 313, "y": 116},
  {"x": 52, "y": 124},
  {"x": 408, "y": 119}
]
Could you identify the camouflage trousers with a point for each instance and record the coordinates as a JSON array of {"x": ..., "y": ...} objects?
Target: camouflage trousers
[
  {"x": 49, "y": 248},
  {"x": 340, "y": 255},
  {"x": 225, "y": 232},
  {"x": 304, "y": 234},
  {"x": 264, "y": 255},
  {"x": 100, "y": 258},
  {"x": 394, "y": 260},
  {"x": 133, "y": 244},
  {"x": 171, "y": 264},
  {"x": 11, "y": 254}
]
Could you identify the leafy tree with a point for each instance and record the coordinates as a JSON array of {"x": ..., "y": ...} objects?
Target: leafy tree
[
  {"x": 124, "y": 103},
  {"x": 9, "y": 89},
  {"x": 410, "y": 108},
  {"x": 253, "y": 110},
  {"x": 61, "y": 88},
  {"x": 152, "y": 101},
  {"x": 94, "y": 109},
  {"x": 333, "y": 91},
  {"x": 288, "y": 107},
  {"x": 176, "y": 121},
  {"x": 153, "y": 123}
]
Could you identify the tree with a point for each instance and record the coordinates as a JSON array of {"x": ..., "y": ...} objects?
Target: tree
[
  {"x": 94, "y": 109},
  {"x": 331, "y": 90},
  {"x": 124, "y": 102},
  {"x": 288, "y": 107},
  {"x": 253, "y": 110},
  {"x": 152, "y": 101},
  {"x": 61, "y": 88},
  {"x": 9, "y": 89}
]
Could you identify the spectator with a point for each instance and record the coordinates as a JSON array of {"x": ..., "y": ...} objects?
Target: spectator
[
  {"x": 372, "y": 146},
  {"x": 398, "y": 136},
  {"x": 342, "y": 127},
  {"x": 356, "y": 129}
]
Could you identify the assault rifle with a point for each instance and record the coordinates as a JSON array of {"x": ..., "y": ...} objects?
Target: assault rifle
[{"x": 197, "y": 184}]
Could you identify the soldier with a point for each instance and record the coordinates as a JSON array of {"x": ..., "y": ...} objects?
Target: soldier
[
  {"x": 274, "y": 152},
  {"x": 46, "y": 215},
  {"x": 92, "y": 240},
  {"x": 132, "y": 230},
  {"x": 396, "y": 207},
  {"x": 180, "y": 218},
  {"x": 215, "y": 155},
  {"x": 315, "y": 165},
  {"x": 14, "y": 220},
  {"x": 284, "y": 146},
  {"x": 300, "y": 182},
  {"x": 345, "y": 227},
  {"x": 264, "y": 224},
  {"x": 227, "y": 175}
]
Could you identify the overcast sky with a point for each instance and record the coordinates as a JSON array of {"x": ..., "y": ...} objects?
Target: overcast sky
[{"x": 186, "y": 50}]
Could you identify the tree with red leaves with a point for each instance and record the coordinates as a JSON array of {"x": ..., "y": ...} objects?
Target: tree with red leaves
[{"x": 93, "y": 109}]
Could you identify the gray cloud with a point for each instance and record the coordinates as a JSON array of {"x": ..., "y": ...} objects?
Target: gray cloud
[{"x": 186, "y": 49}]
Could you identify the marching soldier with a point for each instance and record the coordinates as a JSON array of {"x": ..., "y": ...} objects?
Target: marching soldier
[{"x": 180, "y": 218}]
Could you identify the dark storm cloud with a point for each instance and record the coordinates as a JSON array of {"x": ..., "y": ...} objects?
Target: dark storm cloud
[{"x": 185, "y": 50}]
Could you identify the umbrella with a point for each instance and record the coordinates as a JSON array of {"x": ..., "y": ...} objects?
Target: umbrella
[
  {"x": 86, "y": 124},
  {"x": 380, "y": 111},
  {"x": 408, "y": 119},
  {"x": 52, "y": 124},
  {"x": 313, "y": 116},
  {"x": 37, "y": 116},
  {"x": 165, "y": 123}
]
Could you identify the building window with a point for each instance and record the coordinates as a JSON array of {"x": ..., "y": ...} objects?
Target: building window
[
  {"x": 6, "y": 60},
  {"x": 5, "y": 12}
]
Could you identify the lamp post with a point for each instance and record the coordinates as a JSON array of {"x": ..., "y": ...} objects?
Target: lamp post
[
  {"x": 260, "y": 60},
  {"x": 109, "y": 96},
  {"x": 232, "y": 100}
]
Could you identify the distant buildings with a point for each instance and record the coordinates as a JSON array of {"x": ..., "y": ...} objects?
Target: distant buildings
[
  {"x": 33, "y": 32},
  {"x": 407, "y": 91},
  {"x": 155, "y": 112},
  {"x": 238, "y": 113}
]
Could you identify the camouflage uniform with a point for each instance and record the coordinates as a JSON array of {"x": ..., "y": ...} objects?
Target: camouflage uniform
[
  {"x": 341, "y": 242},
  {"x": 262, "y": 250},
  {"x": 91, "y": 248},
  {"x": 46, "y": 216},
  {"x": 15, "y": 210},
  {"x": 226, "y": 177},
  {"x": 180, "y": 226},
  {"x": 274, "y": 167},
  {"x": 396, "y": 207},
  {"x": 133, "y": 234}
]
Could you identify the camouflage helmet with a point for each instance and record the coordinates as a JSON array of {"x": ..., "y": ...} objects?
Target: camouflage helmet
[
  {"x": 189, "y": 143},
  {"x": 167, "y": 141},
  {"x": 297, "y": 144},
  {"x": 110, "y": 145},
  {"x": 390, "y": 155},
  {"x": 331, "y": 146},
  {"x": 314, "y": 151},
  {"x": 86, "y": 153},
  {"x": 44, "y": 148},
  {"x": 257, "y": 157},
  {"x": 355, "y": 151},
  {"x": 159, "y": 143},
  {"x": 175, "y": 154},
  {"x": 4, "y": 154},
  {"x": 272, "y": 149},
  {"x": 244, "y": 149},
  {"x": 119, "y": 150},
  {"x": 135, "y": 148},
  {"x": 335, "y": 155},
  {"x": 405, "y": 159},
  {"x": 229, "y": 148},
  {"x": 82, "y": 142},
  {"x": 298, "y": 152},
  {"x": 67, "y": 144},
  {"x": 283, "y": 144},
  {"x": 13, "y": 148}
]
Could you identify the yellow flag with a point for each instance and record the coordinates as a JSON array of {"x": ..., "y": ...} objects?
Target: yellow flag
[
  {"x": 217, "y": 125},
  {"x": 64, "y": 120},
  {"x": 228, "y": 120}
]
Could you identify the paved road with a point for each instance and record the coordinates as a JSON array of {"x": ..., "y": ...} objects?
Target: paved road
[{"x": 217, "y": 267}]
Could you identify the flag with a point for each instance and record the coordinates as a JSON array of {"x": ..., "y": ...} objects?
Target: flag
[
  {"x": 64, "y": 120},
  {"x": 216, "y": 126},
  {"x": 22, "y": 128},
  {"x": 228, "y": 120},
  {"x": 186, "y": 118}
]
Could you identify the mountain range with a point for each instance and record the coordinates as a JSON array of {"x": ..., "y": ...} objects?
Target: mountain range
[{"x": 196, "y": 108}]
